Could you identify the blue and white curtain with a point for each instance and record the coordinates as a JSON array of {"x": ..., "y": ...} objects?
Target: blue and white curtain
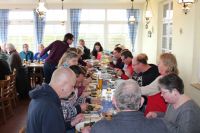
[
  {"x": 39, "y": 26},
  {"x": 75, "y": 15},
  {"x": 3, "y": 25},
  {"x": 133, "y": 28}
]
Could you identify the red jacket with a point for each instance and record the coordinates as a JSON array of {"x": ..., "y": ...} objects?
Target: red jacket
[
  {"x": 128, "y": 69},
  {"x": 155, "y": 103}
]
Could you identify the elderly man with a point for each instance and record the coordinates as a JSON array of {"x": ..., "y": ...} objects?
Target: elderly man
[
  {"x": 127, "y": 100},
  {"x": 14, "y": 60},
  {"x": 45, "y": 112},
  {"x": 26, "y": 54}
]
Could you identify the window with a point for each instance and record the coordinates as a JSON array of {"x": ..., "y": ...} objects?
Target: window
[
  {"x": 92, "y": 33},
  {"x": 92, "y": 15},
  {"x": 118, "y": 33},
  {"x": 53, "y": 32},
  {"x": 21, "y": 29},
  {"x": 167, "y": 27},
  {"x": 55, "y": 27},
  {"x": 106, "y": 26}
]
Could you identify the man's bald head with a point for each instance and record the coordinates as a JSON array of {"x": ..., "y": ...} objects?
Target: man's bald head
[{"x": 63, "y": 81}]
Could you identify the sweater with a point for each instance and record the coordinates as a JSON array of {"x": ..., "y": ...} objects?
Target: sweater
[{"x": 45, "y": 112}]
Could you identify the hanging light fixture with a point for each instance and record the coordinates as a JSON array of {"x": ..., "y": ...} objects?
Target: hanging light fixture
[
  {"x": 186, "y": 5},
  {"x": 41, "y": 9},
  {"x": 148, "y": 14},
  {"x": 63, "y": 20},
  {"x": 131, "y": 19}
]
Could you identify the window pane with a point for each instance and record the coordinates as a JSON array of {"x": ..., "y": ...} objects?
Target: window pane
[
  {"x": 164, "y": 43},
  {"x": 92, "y": 33},
  {"x": 56, "y": 15},
  {"x": 165, "y": 8},
  {"x": 92, "y": 15},
  {"x": 20, "y": 34},
  {"x": 20, "y": 15},
  {"x": 53, "y": 32},
  {"x": 170, "y": 43},
  {"x": 118, "y": 33},
  {"x": 164, "y": 29},
  {"x": 117, "y": 15}
]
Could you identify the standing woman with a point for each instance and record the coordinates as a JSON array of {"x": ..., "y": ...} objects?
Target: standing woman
[
  {"x": 97, "y": 51},
  {"x": 57, "y": 49}
]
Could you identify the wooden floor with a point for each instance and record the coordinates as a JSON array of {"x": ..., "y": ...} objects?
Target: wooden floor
[{"x": 18, "y": 120}]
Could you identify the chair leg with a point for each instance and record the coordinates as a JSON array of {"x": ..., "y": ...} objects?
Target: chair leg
[{"x": 4, "y": 113}]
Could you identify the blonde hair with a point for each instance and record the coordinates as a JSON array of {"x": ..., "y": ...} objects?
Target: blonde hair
[
  {"x": 66, "y": 57},
  {"x": 72, "y": 49},
  {"x": 169, "y": 60}
]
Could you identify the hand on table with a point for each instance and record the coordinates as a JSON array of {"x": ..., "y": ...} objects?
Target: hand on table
[
  {"x": 84, "y": 106},
  {"x": 77, "y": 119},
  {"x": 96, "y": 101},
  {"x": 86, "y": 129},
  {"x": 151, "y": 115},
  {"x": 119, "y": 72}
]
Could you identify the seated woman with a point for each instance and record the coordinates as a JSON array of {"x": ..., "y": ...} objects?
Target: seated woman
[
  {"x": 167, "y": 64},
  {"x": 97, "y": 51},
  {"x": 182, "y": 115},
  {"x": 68, "y": 59},
  {"x": 37, "y": 55}
]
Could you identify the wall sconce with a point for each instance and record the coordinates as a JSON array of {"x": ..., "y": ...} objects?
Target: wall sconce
[
  {"x": 186, "y": 5},
  {"x": 131, "y": 19},
  {"x": 41, "y": 10},
  {"x": 148, "y": 15}
]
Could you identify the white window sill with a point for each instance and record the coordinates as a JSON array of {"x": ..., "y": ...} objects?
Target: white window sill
[{"x": 196, "y": 85}]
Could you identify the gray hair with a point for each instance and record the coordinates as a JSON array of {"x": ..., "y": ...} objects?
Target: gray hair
[
  {"x": 10, "y": 46},
  {"x": 128, "y": 95}
]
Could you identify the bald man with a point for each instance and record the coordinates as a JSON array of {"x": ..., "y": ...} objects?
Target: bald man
[{"x": 45, "y": 112}]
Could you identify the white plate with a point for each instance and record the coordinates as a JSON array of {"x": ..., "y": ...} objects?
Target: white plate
[{"x": 81, "y": 124}]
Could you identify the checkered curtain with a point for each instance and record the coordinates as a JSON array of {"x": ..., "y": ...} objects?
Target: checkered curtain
[
  {"x": 3, "y": 25},
  {"x": 75, "y": 15},
  {"x": 133, "y": 28},
  {"x": 39, "y": 26}
]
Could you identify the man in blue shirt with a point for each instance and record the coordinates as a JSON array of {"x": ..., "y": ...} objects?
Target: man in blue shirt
[{"x": 26, "y": 54}]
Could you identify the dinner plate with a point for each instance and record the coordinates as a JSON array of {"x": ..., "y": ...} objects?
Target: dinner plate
[{"x": 81, "y": 124}]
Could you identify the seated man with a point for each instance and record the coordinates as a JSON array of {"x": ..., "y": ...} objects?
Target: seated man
[
  {"x": 45, "y": 112},
  {"x": 127, "y": 101},
  {"x": 144, "y": 73},
  {"x": 26, "y": 54},
  {"x": 127, "y": 71},
  {"x": 37, "y": 55},
  {"x": 86, "y": 52},
  {"x": 182, "y": 115},
  {"x": 117, "y": 61}
]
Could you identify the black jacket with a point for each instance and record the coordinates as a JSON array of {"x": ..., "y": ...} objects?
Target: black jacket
[
  {"x": 86, "y": 54},
  {"x": 45, "y": 113}
]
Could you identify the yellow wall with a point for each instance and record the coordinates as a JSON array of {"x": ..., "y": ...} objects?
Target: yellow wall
[
  {"x": 186, "y": 45},
  {"x": 149, "y": 45}
]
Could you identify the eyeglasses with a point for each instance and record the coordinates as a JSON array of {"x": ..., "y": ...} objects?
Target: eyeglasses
[{"x": 164, "y": 92}]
